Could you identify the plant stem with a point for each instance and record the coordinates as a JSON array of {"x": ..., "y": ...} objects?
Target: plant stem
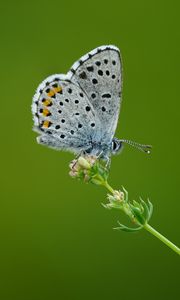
[
  {"x": 149, "y": 228},
  {"x": 109, "y": 188},
  {"x": 162, "y": 238}
]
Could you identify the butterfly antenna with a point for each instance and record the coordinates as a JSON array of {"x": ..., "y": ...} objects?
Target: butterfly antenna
[{"x": 141, "y": 147}]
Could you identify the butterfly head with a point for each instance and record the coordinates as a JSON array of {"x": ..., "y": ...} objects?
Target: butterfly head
[{"x": 116, "y": 146}]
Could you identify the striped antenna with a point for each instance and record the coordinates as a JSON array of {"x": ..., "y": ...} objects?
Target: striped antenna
[{"x": 141, "y": 147}]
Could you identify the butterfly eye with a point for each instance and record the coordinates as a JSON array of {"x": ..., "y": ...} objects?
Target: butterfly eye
[{"x": 114, "y": 145}]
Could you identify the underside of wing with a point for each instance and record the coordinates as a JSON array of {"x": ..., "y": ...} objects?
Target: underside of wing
[
  {"x": 63, "y": 115},
  {"x": 99, "y": 74}
]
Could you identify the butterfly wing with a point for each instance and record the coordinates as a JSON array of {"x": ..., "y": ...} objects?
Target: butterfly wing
[
  {"x": 99, "y": 74},
  {"x": 63, "y": 115}
]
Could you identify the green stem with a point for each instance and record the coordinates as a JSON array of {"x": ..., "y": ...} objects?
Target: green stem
[
  {"x": 162, "y": 238},
  {"x": 151, "y": 229},
  {"x": 109, "y": 188}
]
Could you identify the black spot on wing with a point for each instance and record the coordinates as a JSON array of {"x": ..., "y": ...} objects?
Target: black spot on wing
[
  {"x": 98, "y": 63},
  {"x": 106, "y": 95},
  {"x": 90, "y": 68},
  {"x": 94, "y": 81},
  {"x": 90, "y": 55},
  {"x": 100, "y": 72},
  {"x": 55, "y": 85},
  {"x": 83, "y": 75},
  {"x": 93, "y": 95},
  {"x": 73, "y": 71}
]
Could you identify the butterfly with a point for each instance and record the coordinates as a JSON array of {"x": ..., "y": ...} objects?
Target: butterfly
[{"x": 78, "y": 111}]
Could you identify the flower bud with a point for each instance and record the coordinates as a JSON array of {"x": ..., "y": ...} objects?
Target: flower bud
[
  {"x": 119, "y": 196},
  {"x": 83, "y": 163}
]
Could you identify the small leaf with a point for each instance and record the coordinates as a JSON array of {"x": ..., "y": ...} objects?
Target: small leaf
[
  {"x": 103, "y": 172},
  {"x": 138, "y": 214},
  {"x": 81, "y": 175},
  {"x": 146, "y": 209},
  {"x": 115, "y": 205},
  {"x": 150, "y": 209},
  {"x": 137, "y": 204},
  {"x": 127, "y": 229},
  {"x": 93, "y": 171},
  {"x": 105, "y": 176},
  {"x": 126, "y": 194},
  {"x": 107, "y": 206}
]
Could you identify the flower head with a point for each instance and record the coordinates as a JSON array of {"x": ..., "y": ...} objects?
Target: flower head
[{"x": 89, "y": 169}]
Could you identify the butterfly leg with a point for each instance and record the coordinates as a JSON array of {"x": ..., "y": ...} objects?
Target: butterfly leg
[
  {"x": 82, "y": 153},
  {"x": 106, "y": 158},
  {"x": 108, "y": 162},
  {"x": 99, "y": 155}
]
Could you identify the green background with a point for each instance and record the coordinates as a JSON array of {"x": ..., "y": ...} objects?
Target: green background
[{"x": 57, "y": 240}]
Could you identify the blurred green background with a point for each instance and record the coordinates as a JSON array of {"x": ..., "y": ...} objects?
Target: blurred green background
[{"x": 57, "y": 240}]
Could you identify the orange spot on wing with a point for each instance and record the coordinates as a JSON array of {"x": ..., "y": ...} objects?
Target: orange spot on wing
[
  {"x": 46, "y": 112},
  {"x": 46, "y": 124},
  {"x": 57, "y": 89},
  {"x": 47, "y": 102},
  {"x": 51, "y": 93}
]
